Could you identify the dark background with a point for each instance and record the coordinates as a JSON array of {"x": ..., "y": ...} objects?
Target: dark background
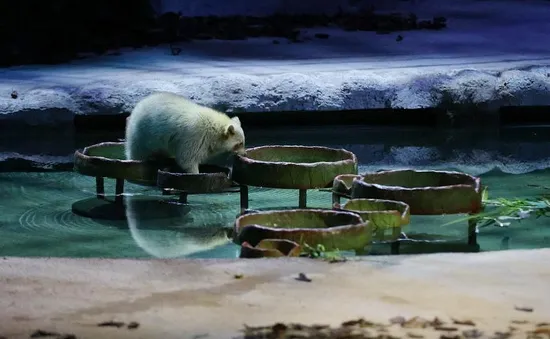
[
  {"x": 58, "y": 31},
  {"x": 52, "y": 31}
]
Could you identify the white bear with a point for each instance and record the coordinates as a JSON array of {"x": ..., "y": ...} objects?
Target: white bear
[{"x": 165, "y": 124}]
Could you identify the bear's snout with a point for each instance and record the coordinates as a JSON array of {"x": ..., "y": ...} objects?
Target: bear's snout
[{"x": 239, "y": 150}]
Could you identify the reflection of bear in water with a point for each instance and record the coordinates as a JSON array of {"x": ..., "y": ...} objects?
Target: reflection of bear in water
[
  {"x": 168, "y": 125},
  {"x": 168, "y": 231}
]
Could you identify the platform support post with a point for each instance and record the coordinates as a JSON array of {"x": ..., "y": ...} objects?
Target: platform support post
[
  {"x": 302, "y": 198},
  {"x": 100, "y": 187},
  {"x": 119, "y": 190},
  {"x": 472, "y": 231},
  {"x": 335, "y": 198},
  {"x": 244, "y": 198}
]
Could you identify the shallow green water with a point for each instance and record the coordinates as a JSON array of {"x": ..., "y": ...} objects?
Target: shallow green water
[{"x": 36, "y": 219}]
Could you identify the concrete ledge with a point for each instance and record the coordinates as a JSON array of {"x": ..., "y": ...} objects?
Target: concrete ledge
[
  {"x": 183, "y": 299},
  {"x": 420, "y": 117},
  {"x": 117, "y": 91},
  {"x": 476, "y": 151}
]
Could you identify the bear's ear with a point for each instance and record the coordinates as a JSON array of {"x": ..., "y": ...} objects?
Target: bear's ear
[
  {"x": 236, "y": 119},
  {"x": 229, "y": 130}
]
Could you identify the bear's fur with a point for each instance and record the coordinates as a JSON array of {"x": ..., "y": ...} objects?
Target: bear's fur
[{"x": 165, "y": 124}]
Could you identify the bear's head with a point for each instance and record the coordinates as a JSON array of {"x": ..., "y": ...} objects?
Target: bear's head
[{"x": 233, "y": 137}]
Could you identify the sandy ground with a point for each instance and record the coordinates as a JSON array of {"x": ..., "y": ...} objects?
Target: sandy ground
[{"x": 208, "y": 298}]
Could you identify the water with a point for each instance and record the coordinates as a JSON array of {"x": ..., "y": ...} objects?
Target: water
[{"x": 36, "y": 217}]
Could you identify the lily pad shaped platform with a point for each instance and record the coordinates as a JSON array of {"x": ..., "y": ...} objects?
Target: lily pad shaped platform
[
  {"x": 107, "y": 160},
  {"x": 211, "y": 179},
  {"x": 291, "y": 167},
  {"x": 341, "y": 186},
  {"x": 335, "y": 230},
  {"x": 426, "y": 192},
  {"x": 385, "y": 215},
  {"x": 271, "y": 248}
]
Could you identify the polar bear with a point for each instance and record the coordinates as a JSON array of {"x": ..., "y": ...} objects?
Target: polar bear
[{"x": 165, "y": 124}]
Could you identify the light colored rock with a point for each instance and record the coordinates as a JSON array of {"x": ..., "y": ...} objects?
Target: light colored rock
[{"x": 185, "y": 298}]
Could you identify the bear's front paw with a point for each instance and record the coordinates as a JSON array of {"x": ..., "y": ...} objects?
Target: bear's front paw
[{"x": 194, "y": 170}]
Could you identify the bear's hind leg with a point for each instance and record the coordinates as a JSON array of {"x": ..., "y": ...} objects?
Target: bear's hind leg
[
  {"x": 186, "y": 167},
  {"x": 135, "y": 153},
  {"x": 188, "y": 161},
  {"x": 194, "y": 169},
  {"x": 134, "y": 149}
]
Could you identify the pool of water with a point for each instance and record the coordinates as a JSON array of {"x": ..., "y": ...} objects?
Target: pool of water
[{"x": 36, "y": 217}]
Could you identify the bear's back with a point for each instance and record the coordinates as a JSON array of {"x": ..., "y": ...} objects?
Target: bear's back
[{"x": 186, "y": 113}]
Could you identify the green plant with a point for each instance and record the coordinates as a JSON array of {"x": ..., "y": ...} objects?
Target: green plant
[
  {"x": 319, "y": 252},
  {"x": 504, "y": 211},
  {"x": 508, "y": 210}
]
